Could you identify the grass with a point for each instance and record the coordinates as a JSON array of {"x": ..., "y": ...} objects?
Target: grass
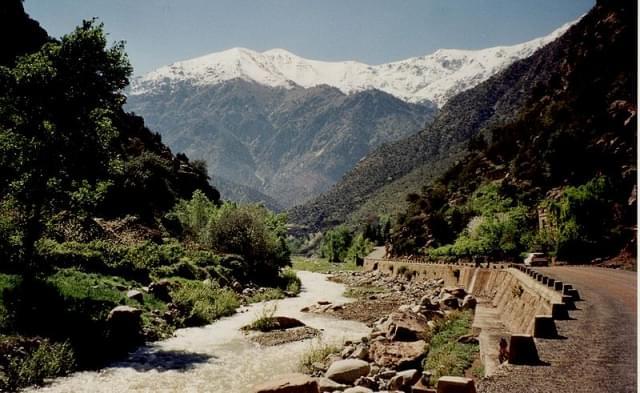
[
  {"x": 362, "y": 292},
  {"x": 322, "y": 265},
  {"x": 264, "y": 321},
  {"x": 446, "y": 355},
  {"x": 316, "y": 353},
  {"x": 266, "y": 295}
]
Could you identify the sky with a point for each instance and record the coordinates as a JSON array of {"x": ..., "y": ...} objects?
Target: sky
[{"x": 160, "y": 32}]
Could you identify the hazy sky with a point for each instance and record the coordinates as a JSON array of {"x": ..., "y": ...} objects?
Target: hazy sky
[{"x": 159, "y": 32}]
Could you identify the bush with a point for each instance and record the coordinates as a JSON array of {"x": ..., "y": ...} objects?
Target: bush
[
  {"x": 200, "y": 303},
  {"x": 289, "y": 281},
  {"x": 317, "y": 353},
  {"x": 32, "y": 364}
]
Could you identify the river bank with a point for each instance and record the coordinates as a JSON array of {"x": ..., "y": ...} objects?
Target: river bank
[{"x": 219, "y": 357}]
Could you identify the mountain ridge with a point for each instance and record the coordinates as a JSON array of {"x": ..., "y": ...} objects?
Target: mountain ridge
[{"x": 435, "y": 77}]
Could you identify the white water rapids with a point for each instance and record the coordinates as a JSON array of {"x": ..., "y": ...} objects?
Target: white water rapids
[{"x": 218, "y": 357}]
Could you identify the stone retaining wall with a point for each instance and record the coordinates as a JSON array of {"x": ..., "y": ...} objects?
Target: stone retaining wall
[{"x": 517, "y": 297}]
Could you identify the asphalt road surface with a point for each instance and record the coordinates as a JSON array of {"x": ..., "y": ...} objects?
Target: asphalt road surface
[{"x": 597, "y": 351}]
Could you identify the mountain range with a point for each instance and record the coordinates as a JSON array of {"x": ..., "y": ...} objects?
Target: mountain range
[
  {"x": 274, "y": 126},
  {"x": 577, "y": 83}
]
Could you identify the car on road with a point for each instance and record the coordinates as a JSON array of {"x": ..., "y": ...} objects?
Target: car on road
[{"x": 536, "y": 259}]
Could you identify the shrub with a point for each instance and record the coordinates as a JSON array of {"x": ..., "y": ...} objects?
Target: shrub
[
  {"x": 317, "y": 353},
  {"x": 201, "y": 303},
  {"x": 289, "y": 281},
  {"x": 335, "y": 244},
  {"x": 264, "y": 321},
  {"x": 30, "y": 366}
]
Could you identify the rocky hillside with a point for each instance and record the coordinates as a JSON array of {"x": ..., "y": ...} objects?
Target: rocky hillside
[
  {"x": 290, "y": 144},
  {"x": 585, "y": 52},
  {"x": 290, "y": 128}
]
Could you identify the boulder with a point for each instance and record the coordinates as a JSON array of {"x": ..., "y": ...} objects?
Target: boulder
[
  {"x": 361, "y": 352},
  {"x": 347, "y": 371},
  {"x": 456, "y": 385},
  {"x": 404, "y": 380},
  {"x": 161, "y": 289},
  {"x": 406, "y": 326},
  {"x": 469, "y": 303},
  {"x": 327, "y": 385},
  {"x": 288, "y": 383},
  {"x": 450, "y": 301},
  {"x": 287, "y": 322},
  {"x": 399, "y": 355},
  {"x": 458, "y": 292},
  {"x": 367, "y": 382},
  {"x": 358, "y": 389},
  {"x": 135, "y": 295},
  {"x": 125, "y": 327}
]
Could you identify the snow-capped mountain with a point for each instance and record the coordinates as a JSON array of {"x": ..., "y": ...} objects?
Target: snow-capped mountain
[{"x": 435, "y": 77}]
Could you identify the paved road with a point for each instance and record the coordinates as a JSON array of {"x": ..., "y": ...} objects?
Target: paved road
[{"x": 598, "y": 353}]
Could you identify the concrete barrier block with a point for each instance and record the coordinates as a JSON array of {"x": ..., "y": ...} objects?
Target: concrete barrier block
[
  {"x": 456, "y": 385},
  {"x": 544, "y": 327},
  {"x": 539, "y": 277},
  {"x": 551, "y": 282},
  {"x": 545, "y": 279},
  {"x": 568, "y": 302},
  {"x": 559, "y": 311},
  {"x": 522, "y": 350},
  {"x": 558, "y": 285},
  {"x": 575, "y": 295},
  {"x": 566, "y": 288}
]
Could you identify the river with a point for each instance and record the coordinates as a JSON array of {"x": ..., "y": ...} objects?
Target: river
[{"x": 218, "y": 357}]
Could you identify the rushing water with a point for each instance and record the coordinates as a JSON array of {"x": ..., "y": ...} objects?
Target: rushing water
[{"x": 218, "y": 357}]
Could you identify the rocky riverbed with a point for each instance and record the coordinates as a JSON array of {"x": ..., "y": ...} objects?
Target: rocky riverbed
[{"x": 401, "y": 313}]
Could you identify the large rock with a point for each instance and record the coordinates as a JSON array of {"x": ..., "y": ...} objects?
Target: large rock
[
  {"x": 404, "y": 380},
  {"x": 406, "y": 326},
  {"x": 288, "y": 383},
  {"x": 458, "y": 292},
  {"x": 469, "y": 303},
  {"x": 135, "y": 295},
  {"x": 125, "y": 328},
  {"x": 327, "y": 385},
  {"x": 347, "y": 371},
  {"x": 400, "y": 355},
  {"x": 287, "y": 322},
  {"x": 358, "y": 389},
  {"x": 161, "y": 289},
  {"x": 448, "y": 300}
]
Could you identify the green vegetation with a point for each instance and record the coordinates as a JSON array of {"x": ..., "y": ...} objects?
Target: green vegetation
[
  {"x": 201, "y": 303},
  {"x": 36, "y": 361},
  {"x": 339, "y": 244},
  {"x": 92, "y": 205},
  {"x": 264, "y": 321},
  {"x": 321, "y": 265},
  {"x": 317, "y": 353},
  {"x": 446, "y": 355}
]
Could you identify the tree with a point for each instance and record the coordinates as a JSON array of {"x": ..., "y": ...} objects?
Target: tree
[
  {"x": 335, "y": 244},
  {"x": 57, "y": 108}
]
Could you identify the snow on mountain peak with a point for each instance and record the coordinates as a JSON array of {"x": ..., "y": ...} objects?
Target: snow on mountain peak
[{"x": 435, "y": 77}]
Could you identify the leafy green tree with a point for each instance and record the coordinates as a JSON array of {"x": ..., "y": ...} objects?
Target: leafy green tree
[
  {"x": 581, "y": 221},
  {"x": 359, "y": 248},
  {"x": 57, "y": 108},
  {"x": 335, "y": 244}
]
